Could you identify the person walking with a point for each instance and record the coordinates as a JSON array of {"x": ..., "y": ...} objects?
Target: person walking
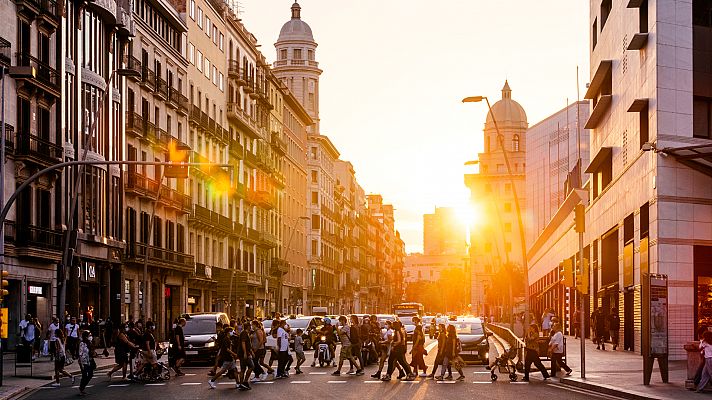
[
  {"x": 283, "y": 349},
  {"x": 397, "y": 355},
  {"x": 28, "y": 333},
  {"x": 60, "y": 358},
  {"x": 531, "y": 353},
  {"x": 356, "y": 344},
  {"x": 599, "y": 323},
  {"x": 177, "y": 343},
  {"x": 418, "y": 351},
  {"x": 346, "y": 348},
  {"x": 614, "y": 325},
  {"x": 442, "y": 336},
  {"x": 245, "y": 354},
  {"x": 384, "y": 347},
  {"x": 577, "y": 323},
  {"x": 299, "y": 351},
  {"x": 255, "y": 345},
  {"x": 72, "y": 331},
  {"x": 122, "y": 347},
  {"x": 262, "y": 350},
  {"x": 52, "y": 330},
  {"x": 556, "y": 348},
  {"x": 226, "y": 358},
  {"x": 86, "y": 361},
  {"x": 452, "y": 354},
  {"x": 546, "y": 321}
]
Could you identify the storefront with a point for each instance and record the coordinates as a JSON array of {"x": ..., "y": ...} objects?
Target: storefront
[{"x": 703, "y": 289}]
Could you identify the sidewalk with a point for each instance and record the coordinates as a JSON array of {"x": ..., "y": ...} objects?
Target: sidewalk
[
  {"x": 42, "y": 372},
  {"x": 620, "y": 374}
]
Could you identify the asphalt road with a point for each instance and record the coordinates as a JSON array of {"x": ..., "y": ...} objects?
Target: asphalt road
[{"x": 318, "y": 383}]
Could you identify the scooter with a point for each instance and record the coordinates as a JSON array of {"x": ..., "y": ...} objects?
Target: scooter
[{"x": 324, "y": 354}]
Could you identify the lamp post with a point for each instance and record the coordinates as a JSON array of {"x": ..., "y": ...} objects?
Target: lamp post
[
  {"x": 66, "y": 255},
  {"x": 520, "y": 222}
]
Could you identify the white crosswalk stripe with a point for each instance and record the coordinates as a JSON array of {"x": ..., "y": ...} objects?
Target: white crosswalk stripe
[
  {"x": 119, "y": 385},
  {"x": 336, "y": 382},
  {"x": 191, "y": 383},
  {"x": 300, "y": 382}
]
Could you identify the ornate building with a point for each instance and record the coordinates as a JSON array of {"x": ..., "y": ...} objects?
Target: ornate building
[{"x": 496, "y": 243}]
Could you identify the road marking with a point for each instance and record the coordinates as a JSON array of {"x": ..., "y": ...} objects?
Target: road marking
[
  {"x": 119, "y": 385},
  {"x": 49, "y": 387},
  {"x": 77, "y": 386},
  {"x": 226, "y": 383},
  {"x": 190, "y": 374},
  {"x": 263, "y": 382},
  {"x": 336, "y": 382},
  {"x": 409, "y": 381},
  {"x": 481, "y": 372},
  {"x": 191, "y": 383},
  {"x": 519, "y": 383},
  {"x": 431, "y": 346},
  {"x": 372, "y": 381},
  {"x": 446, "y": 382},
  {"x": 482, "y": 382},
  {"x": 155, "y": 384},
  {"x": 300, "y": 382},
  {"x": 317, "y": 373}
]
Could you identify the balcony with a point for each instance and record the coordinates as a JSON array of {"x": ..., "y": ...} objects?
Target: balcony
[
  {"x": 194, "y": 116},
  {"x": 176, "y": 200},
  {"x": 169, "y": 259},
  {"x": 5, "y": 52},
  {"x": 140, "y": 185},
  {"x": 173, "y": 95},
  {"x": 252, "y": 279},
  {"x": 161, "y": 88},
  {"x": 204, "y": 120},
  {"x": 284, "y": 63},
  {"x": 9, "y": 139},
  {"x": 148, "y": 78},
  {"x": 249, "y": 85},
  {"x": 268, "y": 240},
  {"x": 183, "y": 102},
  {"x": 134, "y": 124},
  {"x": 149, "y": 131},
  {"x": 278, "y": 144},
  {"x": 46, "y": 78},
  {"x": 235, "y": 72},
  {"x": 133, "y": 64},
  {"x": 236, "y": 149},
  {"x": 212, "y": 219},
  {"x": 244, "y": 120},
  {"x": 265, "y": 199},
  {"x": 253, "y": 234},
  {"x": 34, "y": 241},
  {"x": 251, "y": 158},
  {"x": 279, "y": 180},
  {"x": 279, "y": 267},
  {"x": 28, "y": 8},
  {"x": 163, "y": 137},
  {"x": 325, "y": 291},
  {"x": 40, "y": 151},
  {"x": 49, "y": 14}
]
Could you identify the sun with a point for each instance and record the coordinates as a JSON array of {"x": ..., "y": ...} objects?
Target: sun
[{"x": 469, "y": 214}]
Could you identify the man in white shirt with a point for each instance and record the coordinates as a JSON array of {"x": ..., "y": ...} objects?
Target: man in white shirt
[
  {"x": 282, "y": 348},
  {"x": 53, "y": 336},
  {"x": 556, "y": 347},
  {"x": 72, "y": 332},
  {"x": 27, "y": 331}
]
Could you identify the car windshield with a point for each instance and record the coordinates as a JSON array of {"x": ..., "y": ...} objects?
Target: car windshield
[
  {"x": 468, "y": 328},
  {"x": 298, "y": 323},
  {"x": 199, "y": 326}
]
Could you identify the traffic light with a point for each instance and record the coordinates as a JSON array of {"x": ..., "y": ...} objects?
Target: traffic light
[
  {"x": 580, "y": 218},
  {"x": 4, "y": 284},
  {"x": 177, "y": 154},
  {"x": 567, "y": 272},
  {"x": 582, "y": 278}
]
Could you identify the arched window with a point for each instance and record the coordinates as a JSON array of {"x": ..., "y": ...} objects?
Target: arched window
[{"x": 515, "y": 143}]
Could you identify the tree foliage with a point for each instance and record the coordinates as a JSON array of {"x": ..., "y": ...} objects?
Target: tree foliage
[{"x": 450, "y": 293}]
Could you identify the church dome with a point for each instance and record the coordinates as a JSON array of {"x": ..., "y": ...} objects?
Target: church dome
[
  {"x": 507, "y": 111},
  {"x": 295, "y": 28}
]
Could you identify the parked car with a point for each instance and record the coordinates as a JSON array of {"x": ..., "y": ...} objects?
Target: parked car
[
  {"x": 200, "y": 335},
  {"x": 310, "y": 327},
  {"x": 472, "y": 335}
]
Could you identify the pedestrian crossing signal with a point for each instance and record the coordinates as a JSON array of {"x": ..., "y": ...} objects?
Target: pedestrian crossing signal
[
  {"x": 567, "y": 272},
  {"x": 582, "y": 278},
  {"x": 4, "y": 284}
]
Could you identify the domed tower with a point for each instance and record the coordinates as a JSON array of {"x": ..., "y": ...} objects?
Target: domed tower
[
  {"x": 296, "y": 63},
  {"x": 511, "y": 121}
]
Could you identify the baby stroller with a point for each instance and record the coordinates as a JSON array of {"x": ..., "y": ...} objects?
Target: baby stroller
[{"x": 505, "y": 365}]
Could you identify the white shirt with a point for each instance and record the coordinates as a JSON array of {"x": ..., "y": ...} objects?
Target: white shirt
[
  {"x": 706, "y": 349},
  {"x": 28, "y": 330},
  {"x": 72, "y": 330},
  {"x": 284, "y": 345},
  {"x": 387, "y": 333},
  {"x": 52, "y": 329},
  {"x": 557, "y": 343}
]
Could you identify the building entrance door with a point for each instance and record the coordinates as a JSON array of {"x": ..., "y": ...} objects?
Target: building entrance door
[{"x": 628, "y": 320}]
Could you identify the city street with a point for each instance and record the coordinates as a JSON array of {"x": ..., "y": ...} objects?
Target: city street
[{"x": 318, "y": 382}]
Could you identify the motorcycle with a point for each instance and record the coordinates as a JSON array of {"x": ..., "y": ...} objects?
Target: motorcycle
[{"x": 324, "y": 354}]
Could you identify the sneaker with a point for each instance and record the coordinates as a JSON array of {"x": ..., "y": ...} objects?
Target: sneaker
[
  {"x": 212, "y": 384},
  {"x": 247, "y": 387},
  {"x": 386, "y": 378},
  {"x": 56, "y": 384},
  {"x": 424, "y": 375},
  {"x": 336, "y": 373},
  {"x": 74, "y": 379},
  {"x": 439, "y": 378},
  {"x": 263, "y": 376},
  {"x": 299, "y": 372},
  {"x": 460, "y": 378},
  {"x": 376, "y": 375},
  {"x": 568, "y": 373},
  {"x": 351, "y": 372},
  {"x": 313, "y": 364},
  {"x": 359, "y": 372},
  {"x": 449, "y": 377},
  {"x": 254, "y": 380},
  {"x": 239, "y": 386}
]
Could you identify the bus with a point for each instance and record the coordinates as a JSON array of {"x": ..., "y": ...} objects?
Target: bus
[{"x": 408, "y": 309}]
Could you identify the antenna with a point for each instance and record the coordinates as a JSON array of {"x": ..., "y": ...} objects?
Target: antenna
[{"x": 578, "y": 129}]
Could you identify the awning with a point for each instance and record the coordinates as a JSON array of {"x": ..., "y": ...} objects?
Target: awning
[
  {"x": 638, "y": 105},
  {"x": 697, "y": 157},
  {"x": 602, "y": 155},
  {"x": 599, "y": 111},
  {"x": 602, "y": 72}
]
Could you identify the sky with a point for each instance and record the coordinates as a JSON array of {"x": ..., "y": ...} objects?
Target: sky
[{"x": 395, "y": 72}]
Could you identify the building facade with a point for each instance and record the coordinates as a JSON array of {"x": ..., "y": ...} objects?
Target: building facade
[
  {"x": 648, "y": 212},
  {"x": 495, "y": 243},
  {"x": 428, "y": 267},
  {"x": 443, "y": 233}
]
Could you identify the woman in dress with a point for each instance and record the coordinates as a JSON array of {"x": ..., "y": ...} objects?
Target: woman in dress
[
  {"x": 60, "y": 358},
  {"x": 86, "y": 361}
]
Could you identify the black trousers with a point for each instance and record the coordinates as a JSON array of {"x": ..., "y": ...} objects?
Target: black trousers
[
  {"x": 532, "y": 357},
  {"x": 87, "y": 374},
  {"x": 282, "y": 359},
  {"x": 556, "y": 362},
  {"x": 398, "y": 357}
]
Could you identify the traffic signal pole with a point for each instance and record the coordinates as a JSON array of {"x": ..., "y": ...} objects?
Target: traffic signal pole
[{"x": 583, "y": 309}]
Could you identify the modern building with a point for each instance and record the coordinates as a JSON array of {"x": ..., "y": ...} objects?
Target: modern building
[
  {"x": 552, "y": 163},
  {"x": 428, "y": 267},
  {"x": 496, "y": 241},
  {"x": 647, "y": 212},
  {"x": 443, "y": 233},
  {"x": 156, "y": 207}
]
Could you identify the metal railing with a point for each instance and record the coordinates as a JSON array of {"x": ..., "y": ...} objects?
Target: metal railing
[
  {"x": 137, "y": 251},
  {"x": 35, "y": 236},
  {"x": 161, "y": 87},
  {"x": 5, "y": 52},
  {"x": 44, "y": 73},
  {"x": 148, "y": 77},
  {"x": 134, "y": 123},
  {"x": 31, "y": 145},
  {"x": 134, "y": 64}
]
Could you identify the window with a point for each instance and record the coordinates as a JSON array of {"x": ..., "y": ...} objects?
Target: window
[
  {"x": 200, "y": 18},
  {"x": 192, "y": 9},
  {"x": 313, "y": 153},
  {"x": 701, "y": 113},
  {"x": 215, "y": 75},
  {"x": 643, "y": 126},
  {"x": 208, "y": 26},
  {"x": 315, "y": 198},
  {"x": 221, "y": 42},
  {"x": 515, "y": 143},
  {"x": 605, "y": 12},
  {"x": 297, "y": 54},
  {"x": 314, "y": 177},
  {"x": 310, "y": 55},
  {"x": 643, "y": 17},
  {"x": 221, "y": 82},
  {"x": 206, "y": 68},
  {"x": 315, "y": 248},
  {"x": 215, "y": 34},
  {"x": 316, "y": 221},
  {"x": 594, "y": 34},
  {"x": 199, "y": 61},
  {"x": 283, "y": 54},
  {"x": 191, "y": 53}
]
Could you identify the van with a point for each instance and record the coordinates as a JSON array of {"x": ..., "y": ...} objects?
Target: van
[{"x": 201, "y": 334}]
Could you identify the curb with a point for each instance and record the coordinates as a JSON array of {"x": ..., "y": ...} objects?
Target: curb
[{"x": 609, "y": 390}]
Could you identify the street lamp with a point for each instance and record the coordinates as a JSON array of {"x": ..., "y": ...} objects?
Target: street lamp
[{"x": 520, "y": 222}]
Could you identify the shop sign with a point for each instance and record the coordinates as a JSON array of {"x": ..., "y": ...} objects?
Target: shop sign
[
  {"x": 191, "y": 300},
  {"x": 38, "y": 290},
  {"x": 167, "y": 292},
  {"x": 87, "y": 272}
]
